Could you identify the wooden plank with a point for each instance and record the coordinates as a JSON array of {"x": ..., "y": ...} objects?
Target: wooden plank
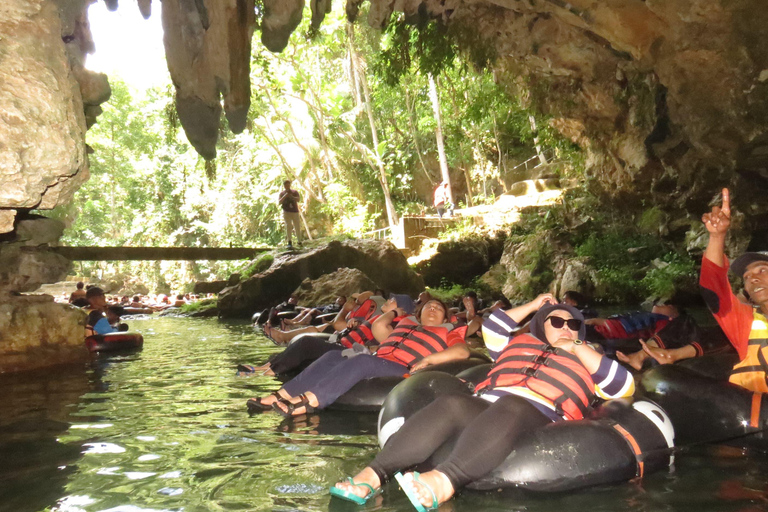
[{"x": 158, "y": 253}]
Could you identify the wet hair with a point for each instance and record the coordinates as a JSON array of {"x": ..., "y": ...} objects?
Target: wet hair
[
  {"x": 380, "y": 292},
  {"x": 81, "y": 303},
  {"x": 94, "y": 291},
  {"x": 417, "y": 311},
  {"x": 579, "y": 298},
  {"x": 179, "y": 297},
  {"x": 287, "y": 182},
  {"x": 116, "y": 310},
  {"x": 80, "y": 285},
  {"x": 537, "y": 322}
]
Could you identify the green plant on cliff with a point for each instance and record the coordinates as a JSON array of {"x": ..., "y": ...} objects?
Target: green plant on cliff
[
  {"x": 200, "y": 305},
  {"x": 258, "y": 265}
]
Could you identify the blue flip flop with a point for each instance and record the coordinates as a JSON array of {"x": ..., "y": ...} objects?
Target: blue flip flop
[
  {"x": 410, "y": 491},
  {"x": 354, "y": 498}
]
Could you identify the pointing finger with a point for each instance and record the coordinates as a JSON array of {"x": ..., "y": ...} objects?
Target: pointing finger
[{"x": 726, "y": 203}]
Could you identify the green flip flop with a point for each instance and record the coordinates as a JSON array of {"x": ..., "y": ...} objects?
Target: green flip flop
[
  {"x": 410, "y": 491},
  {"x": 346, "y": 495}
]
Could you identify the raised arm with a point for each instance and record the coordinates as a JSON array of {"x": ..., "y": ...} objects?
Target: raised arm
[
  {"x": 717, "y": 222},
  {"x": 382, "y": 327}
]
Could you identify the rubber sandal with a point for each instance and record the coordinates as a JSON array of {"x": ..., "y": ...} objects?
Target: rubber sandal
[
  {"x": 258, "y": 405},
  {"x": 349, "y": 496},
  {"x": 245, "y": 368},
  {"x": 291, "y": 412},
  {"x": 410, "y": 491}
]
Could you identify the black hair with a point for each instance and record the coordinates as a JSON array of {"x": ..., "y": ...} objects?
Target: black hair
[
  {"x": 417, "y": 311},
  {"x": 579, "y": 298}
]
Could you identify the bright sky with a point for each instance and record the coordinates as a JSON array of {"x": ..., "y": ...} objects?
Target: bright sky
[{"x": 127, "y": 45}]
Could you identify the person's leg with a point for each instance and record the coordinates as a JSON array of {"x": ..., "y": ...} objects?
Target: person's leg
[
  {"x": 323, "y": 392},
  {"x": 296, "y": 221},
  {"x": 482, "y": 446},
  {"x": 314, "y": 373},
  {"x": 305, "y": 349},
  {"x": 288, "y": 226},
  {"x": 418, "y": 439}
]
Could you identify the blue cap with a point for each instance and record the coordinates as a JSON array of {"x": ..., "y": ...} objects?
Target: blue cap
[{"x": 404, "y": 302}]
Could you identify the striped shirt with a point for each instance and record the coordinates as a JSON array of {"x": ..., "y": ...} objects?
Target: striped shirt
[{"x": 611, "y": 379}]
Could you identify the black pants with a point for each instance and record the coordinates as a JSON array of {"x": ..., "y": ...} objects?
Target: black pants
[
  {"x": 487, "y": 433},
  {"x": 306, "y": 348}
]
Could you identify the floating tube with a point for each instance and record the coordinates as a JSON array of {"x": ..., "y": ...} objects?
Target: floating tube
[
  {"x": 707, "y": 410},
  {"x": 260, "y": 317},
  {"x": 369, "y": 394},
  {"x": 323, "y": 335},
  {"x": 137, "y": 311},
  {"x": 619, "y": 442},
  {"x": 325, "y": 318},
  {"x": 114, "y": 341}
]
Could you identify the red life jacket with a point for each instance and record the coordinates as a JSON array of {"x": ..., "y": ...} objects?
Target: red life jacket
[
  {"x": 553, "y": 373},
  {"x": 361, "y": 334},
  {"x": 410, "y": 341}
]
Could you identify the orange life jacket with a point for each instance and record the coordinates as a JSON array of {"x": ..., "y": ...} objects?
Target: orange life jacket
[
  {"x": 750, "y": 371},
  {"x": 409, "y": 341},
  {"x": 553, "y": 373}
]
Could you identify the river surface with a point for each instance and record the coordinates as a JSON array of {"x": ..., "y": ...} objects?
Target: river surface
[{"x": 166, "y": 428}]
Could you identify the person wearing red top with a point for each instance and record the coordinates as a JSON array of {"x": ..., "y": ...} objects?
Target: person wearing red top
[
  {"x": 415, "y": 343},
  {"x": 745, "y": 325}
]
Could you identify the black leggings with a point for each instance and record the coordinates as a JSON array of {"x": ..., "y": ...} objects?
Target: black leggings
[
  {"x": 307, "y": 348},
  {"x": 487, "y": 433}
]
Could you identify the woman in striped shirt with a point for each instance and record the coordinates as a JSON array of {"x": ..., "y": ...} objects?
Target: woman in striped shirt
[{"x": 549, "y": 375}]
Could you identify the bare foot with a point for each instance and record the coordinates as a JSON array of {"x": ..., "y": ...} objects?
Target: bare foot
[
  {"x": 634, "y": 360},
  {"x": 431, "y": 482},
  {"x": 366, "y": 476}
]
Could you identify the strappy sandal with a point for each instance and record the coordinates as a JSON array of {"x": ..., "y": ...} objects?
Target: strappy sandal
[
  {"x": 291, "y": 407},
  {"x": 258, "y": 405},
  {"x": 350, "y": 496}
]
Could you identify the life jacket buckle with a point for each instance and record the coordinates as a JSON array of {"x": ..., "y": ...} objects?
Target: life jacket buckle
[
  {"x": 530, "y": 371},
  {"x": 541, "y": 359}
]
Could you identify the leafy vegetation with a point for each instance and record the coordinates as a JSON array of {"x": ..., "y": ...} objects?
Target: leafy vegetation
[
  {"x": 308, "y": 122},
  {"x": 258, "y": 265}
]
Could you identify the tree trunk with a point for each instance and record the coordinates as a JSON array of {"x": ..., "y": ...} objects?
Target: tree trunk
[
  {"x": 542, "y": 157},
  {"x": 439, "y": 135},
  {"x": 415, "y": 135},
  {"x": 391, "y": 213}
]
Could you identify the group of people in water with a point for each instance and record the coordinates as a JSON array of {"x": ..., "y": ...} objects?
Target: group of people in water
[
  {"x": 551, "y": 361},
  {"x": 105, "y": 311}
]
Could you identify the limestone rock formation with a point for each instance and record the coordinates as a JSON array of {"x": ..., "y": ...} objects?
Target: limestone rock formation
[
  {"x": 325, "y": 289},
  {"x": 208, "y": 48},
  {"x": 25, "y": 262},
  {"x": 379, "y": 260},
  {"x": 42, "y": 123},
  {"x": 37, "y": 332}
]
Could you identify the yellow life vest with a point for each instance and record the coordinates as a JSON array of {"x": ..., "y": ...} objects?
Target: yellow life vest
[{"x": 750, "y": 372}]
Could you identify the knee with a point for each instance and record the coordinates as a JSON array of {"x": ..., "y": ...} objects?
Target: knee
[
  {"x": 450, "y": 405},
  {"x": 512, "y": 405}
]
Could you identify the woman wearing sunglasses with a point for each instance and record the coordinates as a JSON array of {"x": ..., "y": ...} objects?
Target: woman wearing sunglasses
[{"x": 538, "y": 378}]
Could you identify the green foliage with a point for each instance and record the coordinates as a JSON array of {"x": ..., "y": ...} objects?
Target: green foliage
[
  {"x": 448, "y": 293},
  {"x": 674, "y": 272},
  {"x": 200, "y": 305},
  {"x": 258, "y": 265},
  {"x": 307, "y": 122}
]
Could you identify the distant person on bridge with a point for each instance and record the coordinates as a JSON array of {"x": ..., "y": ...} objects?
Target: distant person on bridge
[
  {"x": 443, "y": 199},
  {"x": 289, "y": 200}
]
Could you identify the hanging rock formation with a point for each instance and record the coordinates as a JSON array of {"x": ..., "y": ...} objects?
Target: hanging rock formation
[{"x": 208, "y": 48}]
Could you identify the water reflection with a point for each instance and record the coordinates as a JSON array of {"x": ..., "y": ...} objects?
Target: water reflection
[{"x": 167, "y": 429}]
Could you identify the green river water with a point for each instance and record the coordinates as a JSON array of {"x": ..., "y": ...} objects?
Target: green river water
[{"x": 166, "y": 428}]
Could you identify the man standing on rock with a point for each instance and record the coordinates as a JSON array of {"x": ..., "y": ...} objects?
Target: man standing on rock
[{"x": 289, "y": 200}]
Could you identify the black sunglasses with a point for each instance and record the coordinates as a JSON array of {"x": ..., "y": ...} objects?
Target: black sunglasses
[{"x": 557, "y": 322}]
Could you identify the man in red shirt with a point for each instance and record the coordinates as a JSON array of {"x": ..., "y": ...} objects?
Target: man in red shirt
[{"x": 746, "y": 325}]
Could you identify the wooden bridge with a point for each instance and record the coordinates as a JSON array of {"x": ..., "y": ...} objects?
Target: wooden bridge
[{"x": 158, "y": 253}]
